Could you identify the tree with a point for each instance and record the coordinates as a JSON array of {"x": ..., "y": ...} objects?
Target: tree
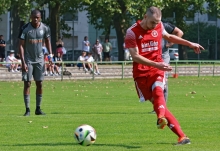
[
  {"x": 120, "y": 14},
  {"x": 207, "y": 36},
  {"x": 117, "y": 14},
  {"x": 58, "y": 8},
  {"x": 183, "y": 9},
  {"x": 4, "y": 6},
  {"x": 19, "y": 14}
]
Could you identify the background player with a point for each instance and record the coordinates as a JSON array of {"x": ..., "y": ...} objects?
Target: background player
[
  {"x": 143, "y": 39},
  {"x": 31, "y": 38},
  {"x": 171, "y": 29}
]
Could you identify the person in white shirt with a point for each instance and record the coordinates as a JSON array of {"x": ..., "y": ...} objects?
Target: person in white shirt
[
  {"x": 90, "y": 63},
  {"x": 82, "y": 61},
  {"x": 12, "y": 62},
  {"x": 97, "y": 51},
  {"x": 44, "y": 49},
  {"x": 126, "y": 53},
  {"x": 86, "y": 44}
]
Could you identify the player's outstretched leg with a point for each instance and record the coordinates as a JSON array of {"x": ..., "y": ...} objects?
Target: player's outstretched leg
[{"x": 174, "y": 125}]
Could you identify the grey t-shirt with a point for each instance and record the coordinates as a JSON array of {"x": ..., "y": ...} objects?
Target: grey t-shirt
[
  {"x": 33, "y": 38},
  {"x": 169, "y": 28}
]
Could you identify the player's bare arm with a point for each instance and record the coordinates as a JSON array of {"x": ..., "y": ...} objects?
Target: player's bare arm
[
  {"x": 172, "y": 38},
  {"x": 48, "y": 45},
  {"x": 21, "y": 52},
  {"x": 142, "y": 60}
]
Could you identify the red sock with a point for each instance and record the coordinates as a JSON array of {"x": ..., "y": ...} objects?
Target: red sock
[
  {"x": 173, "y": 124},
  {"x": 159, "y": 102}
]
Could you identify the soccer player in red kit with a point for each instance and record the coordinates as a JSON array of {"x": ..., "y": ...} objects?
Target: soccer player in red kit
[{"x": 143, "y": 39}]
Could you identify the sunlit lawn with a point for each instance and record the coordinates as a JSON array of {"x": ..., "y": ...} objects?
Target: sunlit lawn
[{"x": 112, "y": 108}]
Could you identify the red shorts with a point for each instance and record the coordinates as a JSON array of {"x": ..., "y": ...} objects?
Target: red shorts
[
  {"x": 145, "y": 85},
  {"x": 59, "y": 50}
]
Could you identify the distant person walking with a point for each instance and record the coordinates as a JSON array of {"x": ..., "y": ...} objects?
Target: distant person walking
[
  {"x": 107, "y": 47},
  {"x": 31, "y": 38}
]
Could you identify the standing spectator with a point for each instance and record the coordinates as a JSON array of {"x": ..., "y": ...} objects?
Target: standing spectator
[
  {"x": 30, "y": 47},
  {"x": 86, "y": 45},
  {"x": 126, "y": 53},
  {"x": 143, "y": 39},
  {"x": 2, "y": 49},
  {"x": 60, "y": 45},
  {"x": 13, "y": 62},
  {"x": 97, "y": 51},
  {"x": 107, "y": 47}
]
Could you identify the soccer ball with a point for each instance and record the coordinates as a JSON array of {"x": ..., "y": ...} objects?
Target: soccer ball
[{"x": 85, "y": 135}]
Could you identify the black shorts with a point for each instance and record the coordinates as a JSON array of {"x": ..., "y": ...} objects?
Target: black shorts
[
  {"x": 106, "y": 54},
  {"x": 2, "y": 54}
]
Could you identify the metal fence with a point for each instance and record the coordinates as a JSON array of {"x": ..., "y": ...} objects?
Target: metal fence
[{"x": 123, "y": 69}]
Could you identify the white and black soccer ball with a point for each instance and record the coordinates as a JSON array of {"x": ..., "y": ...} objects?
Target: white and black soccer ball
[{"x": 85, "y": 135}]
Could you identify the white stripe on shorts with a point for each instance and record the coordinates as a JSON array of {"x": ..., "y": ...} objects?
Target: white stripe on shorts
[
  {"x": 141, "y": 96},
  {"x": 159, "y": 83}
]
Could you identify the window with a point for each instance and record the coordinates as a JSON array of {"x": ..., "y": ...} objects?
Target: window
[
  {"x": 69, "y": 17},
  {"x": 212, "y": 17},
  {"x": 189, "y": 18},
  {"x": 68, "y": 42}
]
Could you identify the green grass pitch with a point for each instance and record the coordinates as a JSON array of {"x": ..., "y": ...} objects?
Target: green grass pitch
[{"x": 112, "y": 108}]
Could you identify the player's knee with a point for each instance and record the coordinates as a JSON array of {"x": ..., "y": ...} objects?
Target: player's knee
[
  {"x": 27, "y": 84},
  {"x": 39, "y": 84},
  {"x": 157, "y": 92}
]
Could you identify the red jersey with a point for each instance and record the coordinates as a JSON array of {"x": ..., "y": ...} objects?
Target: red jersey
[{"x": 149, "y": 43}]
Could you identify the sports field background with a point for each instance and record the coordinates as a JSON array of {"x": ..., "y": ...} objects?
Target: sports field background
[{"x": 112, "y": 108}]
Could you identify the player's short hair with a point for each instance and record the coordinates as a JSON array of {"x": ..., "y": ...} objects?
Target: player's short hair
[
  {"x": 154, "y": 11},
  {"x": 35, "y": 12}
]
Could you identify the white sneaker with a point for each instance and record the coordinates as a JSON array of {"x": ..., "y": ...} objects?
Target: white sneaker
[
  {"x": 98, "y": 73},
  {"x": 16, "y": 70},
  {"x": 51, "y": 74},
  {"x": 85, "y": 70},
  {"x": 59, "y": 69},
  {"x": 12, "y": 70}
]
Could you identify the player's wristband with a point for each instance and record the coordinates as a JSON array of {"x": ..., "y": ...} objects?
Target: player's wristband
[{"x": 51, "y": 55}]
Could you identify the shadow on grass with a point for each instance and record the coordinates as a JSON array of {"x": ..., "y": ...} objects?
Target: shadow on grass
[
  {"x": 71, "y": 144},
  {"x": 100, "y": 113}
]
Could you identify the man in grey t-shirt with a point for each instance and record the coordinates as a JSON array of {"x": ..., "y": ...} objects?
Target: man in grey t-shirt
[{"x": 31, "y": 37}]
